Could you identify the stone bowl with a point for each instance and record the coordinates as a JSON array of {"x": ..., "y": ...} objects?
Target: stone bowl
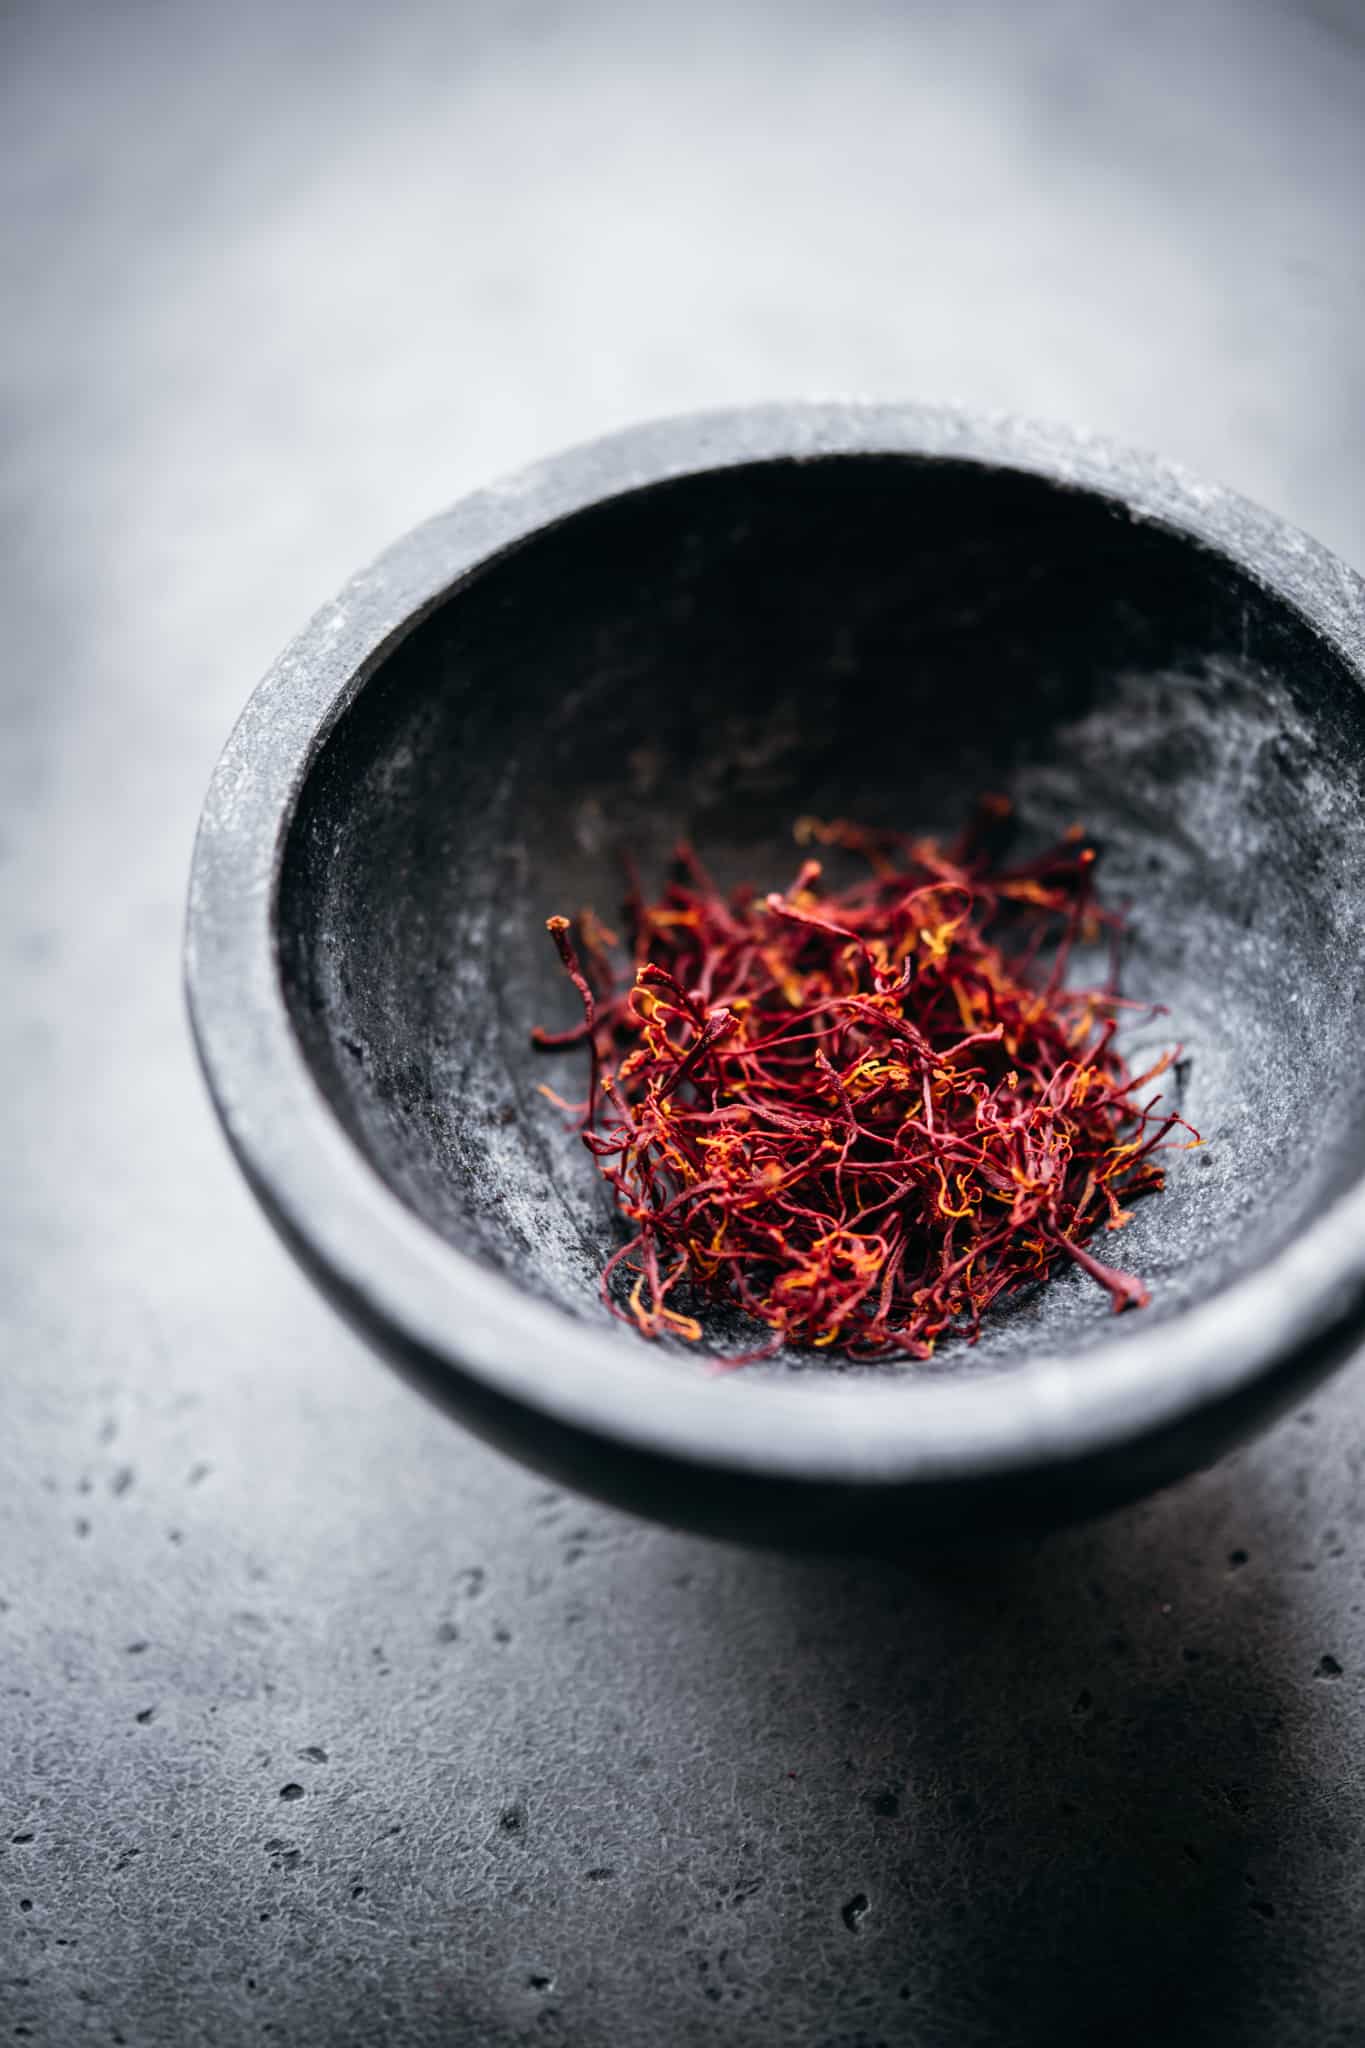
[{"x": 708, "y": 626}]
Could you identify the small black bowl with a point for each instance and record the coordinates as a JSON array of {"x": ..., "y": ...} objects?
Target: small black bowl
[{"x": 709, "y": 626}]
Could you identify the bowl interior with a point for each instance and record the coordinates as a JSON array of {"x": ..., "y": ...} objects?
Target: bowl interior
[{"x": 880, "y": 638}]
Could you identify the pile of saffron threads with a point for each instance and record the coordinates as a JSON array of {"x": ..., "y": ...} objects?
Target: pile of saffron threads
[{"x": 862, "y": 1115}]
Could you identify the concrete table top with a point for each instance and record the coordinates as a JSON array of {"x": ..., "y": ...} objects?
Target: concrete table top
[{"x": 320, "y": 1723}]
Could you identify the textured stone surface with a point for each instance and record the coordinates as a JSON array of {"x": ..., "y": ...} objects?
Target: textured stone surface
[{"x": 275, "y": 291}]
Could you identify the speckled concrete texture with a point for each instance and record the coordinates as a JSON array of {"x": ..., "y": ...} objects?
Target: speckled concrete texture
[{"x": 320, "y": 1724}]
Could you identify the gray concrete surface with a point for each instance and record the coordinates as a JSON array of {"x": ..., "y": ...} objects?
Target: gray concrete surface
[{"x": 318, "y": 1722}]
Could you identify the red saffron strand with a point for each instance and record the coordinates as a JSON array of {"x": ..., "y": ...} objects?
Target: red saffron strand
[{"x": 863, "y": 1116}]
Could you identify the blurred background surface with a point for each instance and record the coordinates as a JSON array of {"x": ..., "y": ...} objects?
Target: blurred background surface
[{"x": 319, "y": 1722}]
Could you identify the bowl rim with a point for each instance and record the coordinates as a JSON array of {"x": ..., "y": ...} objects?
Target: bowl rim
[{"x": 460, "y": 1321}]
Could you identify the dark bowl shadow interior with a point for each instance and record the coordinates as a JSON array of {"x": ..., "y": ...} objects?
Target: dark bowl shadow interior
[{"x": 881, "y": 638}]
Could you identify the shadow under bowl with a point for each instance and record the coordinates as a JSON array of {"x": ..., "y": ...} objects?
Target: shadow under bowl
[{"x": 706, "y": 628}]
